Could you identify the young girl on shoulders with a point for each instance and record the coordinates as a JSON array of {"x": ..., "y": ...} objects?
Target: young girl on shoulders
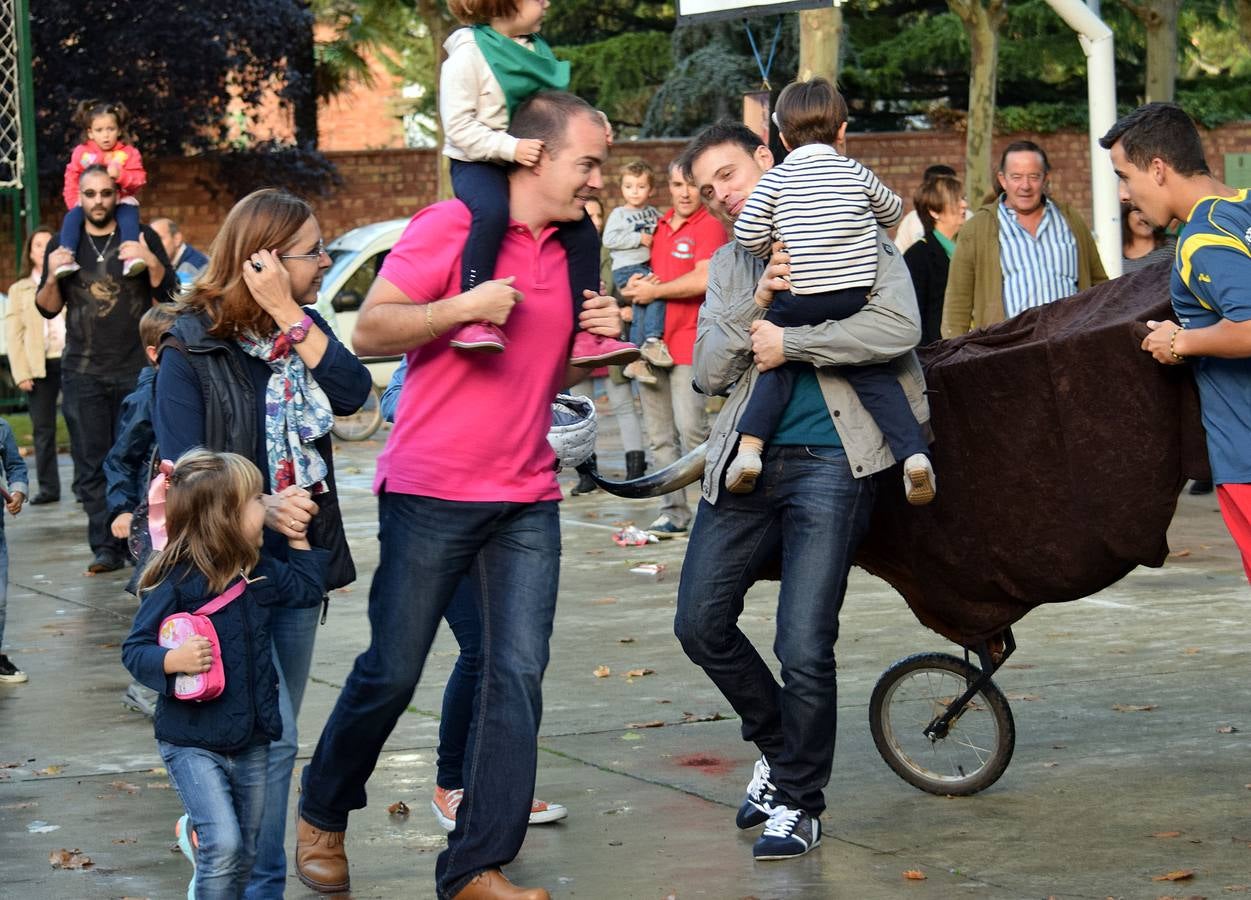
[
  {"x": 216, "y": 750},
  {"x": 491, "y": 68},
  {"x": 104, "y": 130}
]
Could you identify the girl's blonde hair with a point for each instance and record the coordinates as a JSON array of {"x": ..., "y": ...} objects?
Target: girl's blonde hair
[
  {"x": 263, "y": 220},
  {"x": 481, "y": 12},
  {"x": 207, "y": 492}
]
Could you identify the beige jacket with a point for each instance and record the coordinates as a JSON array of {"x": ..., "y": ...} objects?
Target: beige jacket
[
  {"x": 24, "y": 331},
  {"x": 472, "y": 104}
]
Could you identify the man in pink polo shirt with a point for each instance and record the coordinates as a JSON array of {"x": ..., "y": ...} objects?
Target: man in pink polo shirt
[
  {"x": 686, "y": 237},
  {"x": 467, "y": 489}
]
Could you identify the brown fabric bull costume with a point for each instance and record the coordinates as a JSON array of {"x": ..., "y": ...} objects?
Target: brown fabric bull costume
[{"x": 1060, "y": 448}]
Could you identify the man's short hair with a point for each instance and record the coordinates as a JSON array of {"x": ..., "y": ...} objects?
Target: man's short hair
[
  {"x": 154, "y": 323},
  {"x": 932, "y": 172},
  {"x": 639, "y": 169},
  {"x": 96, "y": 169},
  {"x": 170, "y": 223},
  {"x": 1159, "y": 131},
  {"x": 723, "y": 132},
  {"x": 545, "y": 117},
  {"x": 810, "y": 112},
  {"x": 1024, "y": 147}
]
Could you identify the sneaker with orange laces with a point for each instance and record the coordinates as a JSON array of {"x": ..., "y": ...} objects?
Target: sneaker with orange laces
[{"x": 446, "y": 802}]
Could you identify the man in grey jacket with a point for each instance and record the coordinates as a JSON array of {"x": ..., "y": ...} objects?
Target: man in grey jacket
[{"x": 811, "y": 505}]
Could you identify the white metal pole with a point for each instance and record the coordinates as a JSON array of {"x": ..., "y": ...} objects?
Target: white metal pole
[{"x": 1097, "y": 44}]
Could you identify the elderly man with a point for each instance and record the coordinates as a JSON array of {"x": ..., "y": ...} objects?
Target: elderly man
[
  {"x": 186, "y": 260},
  {"x": 103, "y": 354},
  {"x": 1020, "y": 251},
  {"x": 464, "y": 492},
  {"x": 1164, "y": 174},
  {"x": 685, "y": 239},
  {"x": 811, "y": 506}
]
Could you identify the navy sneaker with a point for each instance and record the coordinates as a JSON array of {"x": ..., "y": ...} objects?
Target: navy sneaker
[
  {"x": 790, "y": 833},
  {"x": 758, "y": 804}
]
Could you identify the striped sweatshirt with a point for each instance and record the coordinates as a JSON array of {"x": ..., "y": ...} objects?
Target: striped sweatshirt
[{"x": 826, "y": 208}]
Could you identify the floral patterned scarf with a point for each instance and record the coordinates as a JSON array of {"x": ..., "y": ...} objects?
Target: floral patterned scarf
[{"x": 297, "y": 413}]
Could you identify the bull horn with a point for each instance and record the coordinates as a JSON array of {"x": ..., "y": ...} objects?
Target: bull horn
[{"x": 687, "y": 470}]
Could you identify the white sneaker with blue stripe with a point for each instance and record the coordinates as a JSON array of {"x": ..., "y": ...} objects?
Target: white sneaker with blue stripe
[{"x": 790, "y": 833}]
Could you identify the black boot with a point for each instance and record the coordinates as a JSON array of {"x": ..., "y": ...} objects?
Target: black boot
[
  {"x": 585, "y": 485},
  {"x": 1201, "y": 486},
  {"x": 636, "y": 464}
]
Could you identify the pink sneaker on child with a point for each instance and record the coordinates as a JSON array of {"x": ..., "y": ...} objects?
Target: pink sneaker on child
[
  {"x": 591, "y": 351},
  {"x": 482, "y": 336}
]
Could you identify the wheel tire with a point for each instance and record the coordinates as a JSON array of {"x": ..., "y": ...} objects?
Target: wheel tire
[
  {"x": 978, "y": 745},
  {"x": 362, "y": 424}
]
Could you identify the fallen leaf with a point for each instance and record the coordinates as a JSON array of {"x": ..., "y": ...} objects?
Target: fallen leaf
[
  {"x": 1025, "y": 697},
  {"x": 654, "y": 723},
  {"x": 16, "y": 765},
  {"x": 398, "y": 808},
  {"x": 639, "y": 673},
  {"x": 1180, "y": 554},
  {"x": 914, "y": 875},
  {"x": 1227, "y": 729},
  {"x": 1122, "y": 707},
  {"x": 625, "y": 640},
  {"x": 28, "y": 804},
  {"x": 1190, "y": 651},
  {"x": 1166, "y": 834},
  {"x": 51, "y": 770},
  {"x": 1059, "y": 747},
  {"x": 688, "y": 718},
  {"x": 631, "y": 736},
  {"x": 68, "y": 859},
  {"x": 159, "y": 785},
  {"x": 1237, "y": 888},
  {"x": 124, "y": 840},
  {"x": 1179, "y": 875},
  {"x": 602, "y": 671},
  {"x": 1050, "y": 765},
  {"x": 603, "y": 601},
  {"x": 125, "y": 786}
]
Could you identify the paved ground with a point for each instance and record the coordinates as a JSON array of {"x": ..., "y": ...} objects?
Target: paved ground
[{"x": 1097, "y": 801}]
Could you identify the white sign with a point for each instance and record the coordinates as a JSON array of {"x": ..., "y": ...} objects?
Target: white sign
[{"x": 691, "y": 11}]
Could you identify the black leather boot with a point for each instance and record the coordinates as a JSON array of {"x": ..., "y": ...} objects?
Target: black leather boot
[
  {"x": 636, "y": 464},
  {"x": 585, "y": 485}
]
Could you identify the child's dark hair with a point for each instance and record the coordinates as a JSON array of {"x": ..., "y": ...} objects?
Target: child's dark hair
[
  {"x": 89, "y": 110},
  {"x": 207, "y": 491},
  {"x": 481, "y": 12},
  {"x": 639, "y": 169},
  {"x": 155, "y": 322},
  {"x": 810, "y": 112}
]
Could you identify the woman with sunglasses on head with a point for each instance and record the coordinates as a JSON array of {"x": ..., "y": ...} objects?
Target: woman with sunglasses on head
[{"x": 249, "y": 367}]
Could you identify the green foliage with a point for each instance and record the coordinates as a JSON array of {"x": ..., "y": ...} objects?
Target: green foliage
[
  {"x": 271, "y": 164},
  {"x": 619, "y": 75},
  {"x": 1215, "y": 104},
  {"x": 1043, "y": 117},
  {"x": 571, "y": 23}
]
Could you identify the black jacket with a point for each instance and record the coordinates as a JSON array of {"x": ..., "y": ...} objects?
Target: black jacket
[
  {"x": 928, "y": 263},
  {"x": 246, "y": 712}
]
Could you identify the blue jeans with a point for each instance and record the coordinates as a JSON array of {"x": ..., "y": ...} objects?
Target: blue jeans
[
  {"x": 4, "y": 580},
  {"x": 224, "y": 796},
  {"x": 292, "y": 632},
  {"x": 512, "y": 552},
  {"x": 808, "y": 510},
  {"x": 126, "y": 214},
  {"x": 457, "y": 713}
]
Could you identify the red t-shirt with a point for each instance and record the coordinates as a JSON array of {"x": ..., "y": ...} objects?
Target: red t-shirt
[
  {"x": 674, "y": 253},
  {"x": 473, "y": 426}
]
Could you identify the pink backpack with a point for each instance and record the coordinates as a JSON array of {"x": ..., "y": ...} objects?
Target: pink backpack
[{"x": 176, "y": 629}]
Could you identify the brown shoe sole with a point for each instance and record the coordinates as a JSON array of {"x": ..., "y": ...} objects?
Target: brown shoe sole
[{"x": 922, "y": 490}]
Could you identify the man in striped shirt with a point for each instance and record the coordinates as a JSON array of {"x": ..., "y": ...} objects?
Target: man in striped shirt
[{"x": 1020, "y": 251}]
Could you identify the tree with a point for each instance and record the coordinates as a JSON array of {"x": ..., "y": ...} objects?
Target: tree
[
  {"x": 1159, "y": 17},
  {"x": 820, "y": 41},
  {"x": 981, "y": 25}
]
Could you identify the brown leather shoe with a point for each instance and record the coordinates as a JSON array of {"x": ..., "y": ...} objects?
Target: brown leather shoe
[
  {"x": 320, "y": 859},
  {"x": 492, "y": 885}
]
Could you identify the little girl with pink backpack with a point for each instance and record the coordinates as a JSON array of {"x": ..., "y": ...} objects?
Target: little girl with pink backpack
[{"x": 201, "y": 640}]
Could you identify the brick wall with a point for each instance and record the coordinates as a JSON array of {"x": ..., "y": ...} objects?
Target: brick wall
[{"x": 384, "y": 184}]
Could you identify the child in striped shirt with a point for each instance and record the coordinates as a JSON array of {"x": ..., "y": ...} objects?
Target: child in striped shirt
[{"x": 826, "y": 209}]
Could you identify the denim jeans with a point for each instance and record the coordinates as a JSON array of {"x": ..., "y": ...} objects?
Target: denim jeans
[
  {"x": 512, "y": 552},
  {"x": 292, "y": 632},
  {"x": 456, "y": 715},
  {"x": 809, "y": 510},
  {"x": 4, "y": 580},
  {"x": 94, "y": 404},
  {"x": 224, "y": 796}
]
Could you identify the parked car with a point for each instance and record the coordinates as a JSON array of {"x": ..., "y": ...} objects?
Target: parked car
[{"x": 356, "y": 258}]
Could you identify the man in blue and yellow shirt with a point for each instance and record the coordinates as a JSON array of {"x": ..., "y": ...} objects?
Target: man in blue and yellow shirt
[{"x": 1159, "y": 159}]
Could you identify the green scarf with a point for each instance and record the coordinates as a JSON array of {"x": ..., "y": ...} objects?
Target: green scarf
[
  {"x": 945, "y": 242},
  {"x": 521, "y": 72}
]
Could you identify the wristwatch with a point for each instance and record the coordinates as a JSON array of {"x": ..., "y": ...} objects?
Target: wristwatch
[{"x": 299, "y": 331}]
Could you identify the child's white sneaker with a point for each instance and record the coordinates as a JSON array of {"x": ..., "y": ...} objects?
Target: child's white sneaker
[
  {"x": 65, "y": 271},
  {"x": 920, "y": 484},
  {"x": 740, "y": 477}
]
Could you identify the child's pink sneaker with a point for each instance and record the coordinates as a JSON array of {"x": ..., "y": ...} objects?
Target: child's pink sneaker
[
  {"x": 481, "y": 336},
  {"x": 591, "y": 351}
]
